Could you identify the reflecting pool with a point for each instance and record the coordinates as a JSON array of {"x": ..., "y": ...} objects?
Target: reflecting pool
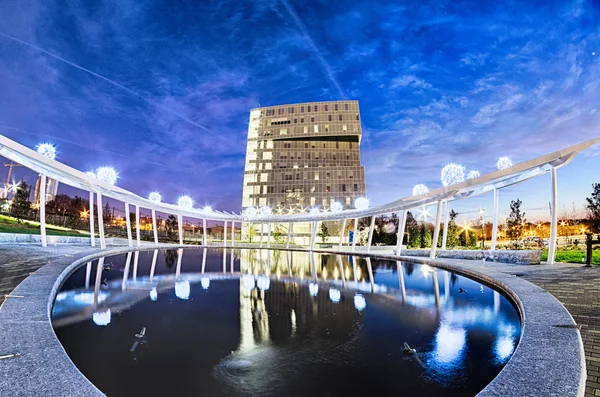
[{"x": 230, "y": 322}]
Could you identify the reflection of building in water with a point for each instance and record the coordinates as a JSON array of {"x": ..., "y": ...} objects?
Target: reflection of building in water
[{"x": 51, "y": 189}]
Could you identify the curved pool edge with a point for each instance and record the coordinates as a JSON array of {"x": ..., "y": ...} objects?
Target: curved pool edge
[{"x": 549, "y": 359}]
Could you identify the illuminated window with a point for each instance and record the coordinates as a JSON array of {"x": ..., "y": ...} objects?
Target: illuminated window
[
  {"x": 283, "y": 131},
  {"x": 312, "y": 201},
  {"x": 344, "y": 127},
  {"x": 305, "y": 129},
  {"x": 316, "y": 128},
  {"x": 326, "y": 129},
  {"x": 347, "y": 201},
  {"x": 316, "y": 175}
]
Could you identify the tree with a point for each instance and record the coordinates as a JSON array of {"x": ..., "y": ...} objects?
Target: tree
[
  {"x": 452, "y": 240},
  {"x": 277, "y": 235},
  {"x": 21, "y": 204},
  {"x": 170, "y": 257},
  {"x": 107, "y": 215},
  {"x": 515, "y": 221},
  {"x": 251, "y": 233},
  {"x": 412, "y": 229},
  {"x": 171, "y": 225},
  {"x": 323, "y": 233},
  {"x": 593, "y": 208}
]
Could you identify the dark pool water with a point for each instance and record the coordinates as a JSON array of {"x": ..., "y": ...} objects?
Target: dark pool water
[{"x": 200, "y": 322}]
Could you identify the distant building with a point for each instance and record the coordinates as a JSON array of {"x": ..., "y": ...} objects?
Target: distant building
[
  {"x": 51, "y": 189},
  {"x": 304, "y": 155}
]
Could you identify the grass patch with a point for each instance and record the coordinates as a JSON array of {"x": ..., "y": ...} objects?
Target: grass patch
[
  {"x": 11, "y": 225},
  {"x": 573, "y": 256}
]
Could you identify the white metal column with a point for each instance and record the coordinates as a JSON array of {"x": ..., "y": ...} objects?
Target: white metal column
[
  {"x": 204, "y": 232},
  {"x": 137, "y": 225},
  {"x": 261, "y": 234},
  {"x": 128, "y": 225},
  {"x": 180, "y": 226},
  {"x": 554, "y": 220},
  {"x": 313, "y": 235},
  {"x": 436, "y": 233},
  {"x": 446, "y": 219},
  {"x": 495, "y": 226},
  {"x": 43, "y": 210},
  {"x": 92, "y": 237},
  {"x": 289, "y": 236},
  {"x": 232, "y": 235},
  {"x": 371, "y": 230},
  {"x": 224, "y": 233},
  {"x": 342, "y": 234},
  {"x": 401, "y": 228},
  {"x": 154, "y": 229},
  {"x": 100, "y": 222},
  {"x": 355, "y": 234},
  {"x": 269, "y": 235}
]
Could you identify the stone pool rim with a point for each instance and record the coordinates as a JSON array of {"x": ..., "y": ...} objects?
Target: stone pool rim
[{"x": 549, "y": 335}]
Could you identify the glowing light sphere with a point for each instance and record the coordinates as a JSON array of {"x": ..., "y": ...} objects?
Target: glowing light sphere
[
  {"x": 453, "y": 174},
  {"x": 107, "y": 175},
  {"x": 182, "y": 289},
  {"x": 155, "y": 197},
  {"x": 101, "y": 318},
  {"x": 47, "y": 150},
  {"x": 336, "y": 206},
  {"x": 314, "y": 210},
  {"x": 250, "y": 212},
  {"x": 313, "y": 289},
  {"x": 207, "y": 208},
  {"x": 360, "y": 302},
  {"x": 389, "y": 228},
  {"x": 153, "y": 294},
  {"x": 265, "y": 210},
  {"x": 264, "y": 283},
  {"x": 420, "y": 189},
  {"x": 91, "y": 174},
  {"x": 185, "y": 202},
  {"x": 205, "y": 282},
  {"x": 248, "y": 282},
  {"x": 361, "y": 203},
  {"x": 335, "y": 295},
  {"x": 504, "y": 163},
  {"x": 473, "y": 174}
]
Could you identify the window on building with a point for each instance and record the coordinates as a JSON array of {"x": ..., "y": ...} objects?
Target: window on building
[
  {"x": 295, "y": 121},
  {"x": 357, "y": 118},
  {"x": 280, "y": 111},
  {"x": 329, "y": 117},
  {"x": 350, "y": 145},
  {"x": 302, "y": 119},
  {"x": 308, "y": 108},
  {"x": 345, "y": 106},
  {"x": 291, "y": 110},
  {"x": 306, "y": 146},
  {"x": 326, "y": 128},
  {"x": 344, "y": 127},
  {"x": 312, "y": 189},
  {"x": 328, "y": 188},
  {"x": 340, "y": 117},
  {"x": 268, "y": 166},
  {"x": 316, "y": 128},
  {"x": 297, "y": 176},
  {"x": 335, "y": 107},
  {"x": 287, "y": 145},
  {"x": 343, "y": 187},
  {"x": 270, "y": 189},
  {"x": 325, "y": 107},
  {"x": 301, "y": 109},
  {"x": 337, "y": 145},
  {"x": 316, "y": 108},
  {"x": 316, "y": 175},
  {"x": 356, "y": 187},
  {"x": 328, "y": 175},
  {"x": 312, "y": 201},
  {"x": 305, "y": 129},
  {"x": 264, "y": 177},
  {"x": 312, "y": 119},
  {"x": 283, "y": 131},
  {"x": 348, "y": 201}
]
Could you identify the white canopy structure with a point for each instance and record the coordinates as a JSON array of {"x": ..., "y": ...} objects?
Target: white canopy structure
[{"x": 490, "y": 182}]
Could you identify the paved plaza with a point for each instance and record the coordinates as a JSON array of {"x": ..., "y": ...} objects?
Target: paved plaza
[{"x": 578, "y": 288}]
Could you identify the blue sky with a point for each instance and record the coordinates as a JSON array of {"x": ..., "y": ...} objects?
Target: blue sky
[{"x": 162, "y": 89}]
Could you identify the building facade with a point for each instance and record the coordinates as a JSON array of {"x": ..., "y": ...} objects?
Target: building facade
[
  {"x": 303, "y": 156},
  {"x": 51, "y": 190}
]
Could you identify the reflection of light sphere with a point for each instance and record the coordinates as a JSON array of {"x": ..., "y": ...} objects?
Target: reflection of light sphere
[
  {"x": 107, "y": 175},
  {"x": 207, "y": 208},
  {"x": 155, "y": 197},
  {"x": 453, "y": 174},
  {"x": 503, "y": 348},
  {"x": 360, "y": 302},
  {"x": 504, "y": 163},
  {"x": 265, "y": 210},
  {"x": 420, "y": 189},
  {"x": 47, "y": 150},
  {"x": 185, "y": 202},
  {"x": 313, "y": 289},
  {"x": 389, "y": 228},
  {"x": 182, "y": 289},
  {"x": 473, "y": 174},
  {"x": 361, "y": 203},
  {"x": 248, "y": 282},
  {"x": 314, "y": 211},
  {"x": 335, "y": 295},
  {"x": 336, "y": 206},
  {"x": 250, "y": 212},
  {"x": 264, "y": 283},
  {"x": 91, "y": 174},
  {"x": 205, "y": 282},
  {"x": 153, "y": 294},
  {"x": 101, "y": 318}
]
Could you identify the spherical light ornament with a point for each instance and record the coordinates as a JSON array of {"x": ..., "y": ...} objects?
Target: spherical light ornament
[
  {"x": 361, "y": 203},
  {"x": 91, "y": 174},
  {"x": 473, "y": 174},
  {"x": 182, "y": 289},
  {"x": 314, "y": 211},
  {"x": 265, "y": 210},
  {"x": 313, "y": 289},
  {"x": 207, "y": 208},
  {"x": 360, "y": 302},
  {"x": 205, "y": 282},
  {"x": 504, "y": 163},
  {"x": 107, "y": 175},
  {"x": 336, "y": 206},
  {"x": 264, "y": 283},
  {"x": 250, "y": 212},
  {"x": 185, "y": 202},
  {"x": 47, "y": 150},
  {"x": 101, "y": 318},
  {"x": 335, "y": 295},
  {"x": 453, "y": 174},
  {"x": 155, "y": 197},
  {"x": 420, "y": 189}
]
